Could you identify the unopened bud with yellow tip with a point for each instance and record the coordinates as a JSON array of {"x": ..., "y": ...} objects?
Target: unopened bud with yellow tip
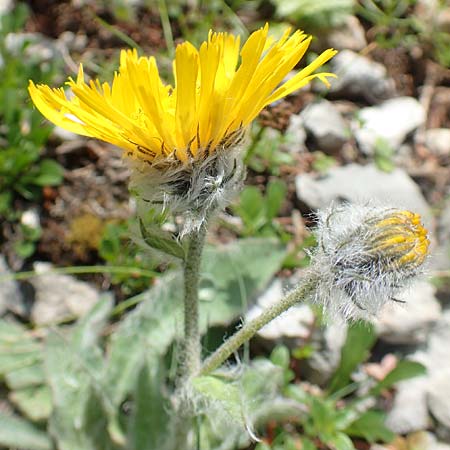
[
  {"x": 366, "y": 255},
  {"x": 402, "y": 237}
]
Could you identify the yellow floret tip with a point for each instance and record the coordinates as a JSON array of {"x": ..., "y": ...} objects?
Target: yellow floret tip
[
  {"x": 402, "y": 237},
  {"x": 218, "y": 90}
]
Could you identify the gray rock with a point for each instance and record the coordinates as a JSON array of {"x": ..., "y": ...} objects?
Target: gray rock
[
  {"x": 439, "y": 397},
  {"x": 64, "y": 135},
  {"x": 440, "y": 259},
  {"x": 296, "y": 323},
  {"x": 356, "y": 183},
  {"x": 296, "y": 134},
  {"x": 38, "y": 49},
  {"x": 326, "y": 124},
  {"x": 10, "y": 296},
  {"x": 435, "y": 355},
  {"x": 328, "y": 342},
  {"x": 418, "y": 395},
  {"x": 350, "y": 35},
  {"x": 409, "y": 411},
  {"x": 5, "y": 7},
  {"x": 436, "y": 359},
  {"x": 30, "y": 218},
  {"x": 59, "y": 297},
  {"x": 438, "y": 141},
  {"x": 72, "y": 41},
  {"x": 359, "y": 76},
  {"x": 391, "y": 122},
  {"x": 410, "y": 323},
  {"x": 424, "y": 440}
]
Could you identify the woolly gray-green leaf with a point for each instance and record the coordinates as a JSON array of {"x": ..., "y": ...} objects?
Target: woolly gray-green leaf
[
  {"x": 16, "y": 432},
  {"x": 34, "y": 402},
  {"x": 73, "y": 364},
  {"x": 148, "y": 424},
  {"x": 18, "y": 349},
  {"x": 222, "y": 394}
]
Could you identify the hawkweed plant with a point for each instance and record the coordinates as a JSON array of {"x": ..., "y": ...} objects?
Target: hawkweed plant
[{"x": 184, "y": 146}]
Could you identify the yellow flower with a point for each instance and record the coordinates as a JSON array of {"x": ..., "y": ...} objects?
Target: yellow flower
[{"x": 219, "y": 89}]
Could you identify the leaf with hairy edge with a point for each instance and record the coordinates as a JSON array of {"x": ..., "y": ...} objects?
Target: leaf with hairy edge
[
  {"x": 222, "y": 393},
  {"x": 151, "y": 410},
  {"x": 162, "y": 241},
  {"x": 34, "y": 402},
  {"x": 231, "y": 279},
  {"x": 16, "y": 432},
  {"x": 73, "y": 365}
]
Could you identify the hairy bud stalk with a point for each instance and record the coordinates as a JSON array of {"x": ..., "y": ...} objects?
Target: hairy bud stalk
[{"x": 365, "y": 256}]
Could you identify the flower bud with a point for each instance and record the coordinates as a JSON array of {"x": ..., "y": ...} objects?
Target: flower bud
[{"x": 365, "y": 256}]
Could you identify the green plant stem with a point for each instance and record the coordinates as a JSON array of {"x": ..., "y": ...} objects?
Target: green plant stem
[
  {"x": 192, "y": 347},
  {"x": 191, "y": 350},
  {"x": 167, "y": 30},
  {"x": 249, "y": 329},
  {"x": 79, "y": 270}
]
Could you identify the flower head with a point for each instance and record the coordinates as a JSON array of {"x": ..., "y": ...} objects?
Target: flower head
[
  {"x": 191, "y": 130},
  {"x": 366, "y": 255}
]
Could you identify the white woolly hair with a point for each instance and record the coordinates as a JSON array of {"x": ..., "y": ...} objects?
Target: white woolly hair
[
  {"x": 192, "y": 190},
  {"x": 355, "y": 283}
]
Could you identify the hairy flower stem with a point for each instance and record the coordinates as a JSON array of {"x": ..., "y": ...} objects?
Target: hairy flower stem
[
  {"x": 192, "y": 348},
  {"x": 191, "y": 351},
  {"x": 249, "y": 329}
]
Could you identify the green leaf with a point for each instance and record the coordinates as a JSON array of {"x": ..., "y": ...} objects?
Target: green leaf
[
  {"x": 162, "y": 241},
  {"x": 383, "y": 155},
  {"x": 263, "y": 446},
  {"x": 360, "y": 339},
  {"x": 275, "y": 195},
  {"x": 307, "y": 444},
  {"x": 150, "y": 418},
  {"x": 24, "y": 249},
  {"x": 322, "y": 412},
  {"x": 90, "y": 326},
  {"x": 322, "y": 162},
  {"x": 17, "y": 348},
  {"x": 18, "y": 433},
  {"x": 27, "y": 376},
  {"x": 73, "y": 365},
  {"x": 34, "y": 402},
  {"x": 231, "y": 279},
  {"x": 281, "y": 357},
  {"x": 251, "y": 207},
  {"x": 341, "y": 441},
  {"x": 5, "y": 201},
  {"x": 404, "y": 370},
  {"x": 50, "y": 173},
  {"x": 221, "y": 392},
  {"x": 145, "y": 332},
  {"x": 371, "y": 427}
]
